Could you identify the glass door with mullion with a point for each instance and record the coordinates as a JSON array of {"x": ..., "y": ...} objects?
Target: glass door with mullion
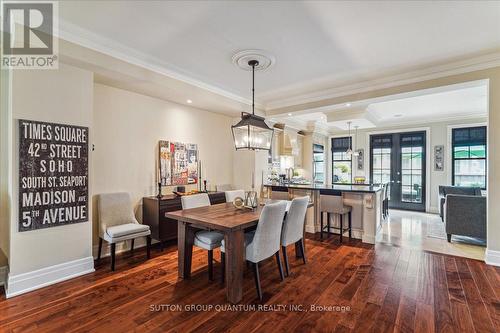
[
  {"x": 399, "y": 159},
  {"x": 412, "y": 171}
]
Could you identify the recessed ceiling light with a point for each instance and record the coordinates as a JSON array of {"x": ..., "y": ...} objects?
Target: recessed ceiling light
[
  {"x": 399, "y": 115},
  {"x": 347, "y": 104},
  {"x": 189, "y": 101},
  {"x": 289, "y": 114}
]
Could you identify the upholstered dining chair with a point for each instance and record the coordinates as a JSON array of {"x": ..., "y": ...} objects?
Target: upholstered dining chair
[
  {"x": 293, "y": 228},
  {"x": 117, "y": 223},
  {"x": 205, "y": 239},
  {"x": 263, "y": 242},
  {"x": 231, "y": 195}
]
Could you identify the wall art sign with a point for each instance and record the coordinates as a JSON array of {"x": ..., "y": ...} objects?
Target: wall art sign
[
  {"x": 53, "y": 174},
  {"x": 439, "y": 158}
]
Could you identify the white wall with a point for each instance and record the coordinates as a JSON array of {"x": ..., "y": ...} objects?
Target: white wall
[
  {"x": 126, "y": 131},
  {"x": 62, "y": 96},
  {"x": 437, "y": 134}
]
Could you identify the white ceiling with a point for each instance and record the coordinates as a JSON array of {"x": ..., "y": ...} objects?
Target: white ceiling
[
  {"x": 317, "y": 44},
  {"x": 460, "y": 101},
  {"x": 467, "y": 102}
]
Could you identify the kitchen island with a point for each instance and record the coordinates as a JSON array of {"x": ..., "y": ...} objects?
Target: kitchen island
[{"x": 365, "y": 200}]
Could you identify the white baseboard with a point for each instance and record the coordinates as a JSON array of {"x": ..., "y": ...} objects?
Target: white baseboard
[
  {"x": 25, "y": 282},
  {"x": 123, "y": 246},
  {"x": 368, "y": 239},
  {"x": 433, "y": 210},
  {"x": 3, "y": 275},
  {"x": 492, "y": 257}
]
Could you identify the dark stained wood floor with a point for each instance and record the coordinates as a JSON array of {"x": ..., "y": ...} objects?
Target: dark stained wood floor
[{"x": 385, "y": 288}]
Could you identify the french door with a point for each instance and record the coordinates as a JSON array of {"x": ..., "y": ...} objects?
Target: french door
[{"x": 399, "y": 159}]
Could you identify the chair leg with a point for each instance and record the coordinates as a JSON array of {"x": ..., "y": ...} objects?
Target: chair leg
[
  {"x": 113, "y": 249},
  {"x": 223, "y": 264},
  {"x": 257, "y": 280},
  {"x": 285, "y": 257},
  {"x": 132, "y": 246},
  {"x": 341, "y": 227},
  {"x": 280, "y": 266},
  {"x": 303, "y": 250},
  {"x": 148, "y": 246},
  {"x": 328, "y": 224},
  {"x": 448, "y": 236},
  {"x": 99, "y": 250},
  {"x": 210, "y": 265},
  {"x": 350, "y": 225},
  {"x": 321, "y": 228}
]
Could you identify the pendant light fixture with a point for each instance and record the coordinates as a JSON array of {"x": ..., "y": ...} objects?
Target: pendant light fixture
[
  {"x": 356, "y": 152},
  {"x": 349, "y": 150},
  {"x": 252, "y": 132}
]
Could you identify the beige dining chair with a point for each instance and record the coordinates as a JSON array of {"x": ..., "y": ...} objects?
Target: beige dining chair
[
  {"x": 117, "y": 223},
  {"x": 205, "y": 239},
  {"x": 263, "y": 242},
  {"x": 231, "y": 195},
  {"x": 293, "y": 228}
]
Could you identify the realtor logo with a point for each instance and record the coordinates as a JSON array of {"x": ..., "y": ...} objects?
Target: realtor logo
[{"x": 28, "y": 40}]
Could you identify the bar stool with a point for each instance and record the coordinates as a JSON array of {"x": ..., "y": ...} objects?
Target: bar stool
[{"x": 331, "y": 202}]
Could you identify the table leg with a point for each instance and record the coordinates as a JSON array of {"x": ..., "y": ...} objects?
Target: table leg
[
  {"x": 185, "y": 240},
  {"x": 235, "y": 247}
]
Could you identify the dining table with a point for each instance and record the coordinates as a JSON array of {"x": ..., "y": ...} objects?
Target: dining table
[{"x": 230, "y": 221}]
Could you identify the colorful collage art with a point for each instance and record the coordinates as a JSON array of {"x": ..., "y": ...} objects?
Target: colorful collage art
[{"x": 178, "y": 163}]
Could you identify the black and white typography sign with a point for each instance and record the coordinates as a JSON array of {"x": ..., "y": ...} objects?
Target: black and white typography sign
[{"x": 53, "y": 175}]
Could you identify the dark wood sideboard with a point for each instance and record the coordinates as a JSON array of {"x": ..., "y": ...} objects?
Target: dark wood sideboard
[{"x": 154, "y": 209}]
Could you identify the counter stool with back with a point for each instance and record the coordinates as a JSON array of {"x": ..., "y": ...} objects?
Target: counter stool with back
[{"x": 331, "y": 202}]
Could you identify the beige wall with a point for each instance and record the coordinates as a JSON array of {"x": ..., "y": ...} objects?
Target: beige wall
[
  {"x": 62, "y": 96},
  {"x": 5, "y": 176},
  {"x": 437, "y": 133},
  {"x": 126, "y": 130}
]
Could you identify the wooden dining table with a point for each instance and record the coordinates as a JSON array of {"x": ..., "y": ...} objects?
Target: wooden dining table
[{"x": 227, "y": 219}]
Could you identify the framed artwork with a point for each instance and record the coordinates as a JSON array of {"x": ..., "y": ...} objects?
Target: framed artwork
[
  {"x": 178, "y": 163},
  {"x": 165, "y": 158},
  {"x": 361, "y": 159},
  {"x": 439, "y": 158}
]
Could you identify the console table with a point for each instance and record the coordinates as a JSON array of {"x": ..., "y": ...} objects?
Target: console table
[{"x": 154, "y": 209}]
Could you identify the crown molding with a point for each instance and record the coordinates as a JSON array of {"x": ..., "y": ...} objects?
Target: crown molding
[
  {"x": 90, "y": 40},
  {"x": 471, "y": 64}
]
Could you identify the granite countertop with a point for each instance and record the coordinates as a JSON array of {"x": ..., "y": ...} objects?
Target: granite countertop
[{"x": 333, "y": 187}]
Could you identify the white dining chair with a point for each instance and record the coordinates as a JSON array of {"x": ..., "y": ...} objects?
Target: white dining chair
[
  {"x": 231, "y": 195},
  {"x": 264, "y": 242},
  {"x": 117, "y": 223},
  {"x": 293, "y": 228},
  {"x": 205, "y": 239}
]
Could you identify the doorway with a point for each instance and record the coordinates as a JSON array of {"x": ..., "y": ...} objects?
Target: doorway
[{"x": 399, "y": 159}]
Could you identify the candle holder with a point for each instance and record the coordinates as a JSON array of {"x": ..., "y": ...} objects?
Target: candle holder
[{"x": 159, "y": 190}]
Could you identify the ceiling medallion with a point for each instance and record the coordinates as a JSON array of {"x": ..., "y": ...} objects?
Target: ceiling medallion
[{"x": 264, "y": 59}]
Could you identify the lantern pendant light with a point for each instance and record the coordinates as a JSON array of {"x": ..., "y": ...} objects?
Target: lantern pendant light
[{"x": 252, "y": 132}]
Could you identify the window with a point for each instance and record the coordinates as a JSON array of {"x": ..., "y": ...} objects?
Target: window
[
  {"x": 341, "y": 161},
  {"x": 319, "y": 163},
  {"x": 469, "y": 156}
]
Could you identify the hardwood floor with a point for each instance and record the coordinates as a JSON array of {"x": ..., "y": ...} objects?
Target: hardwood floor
[{"x": 382, "y": 288}]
